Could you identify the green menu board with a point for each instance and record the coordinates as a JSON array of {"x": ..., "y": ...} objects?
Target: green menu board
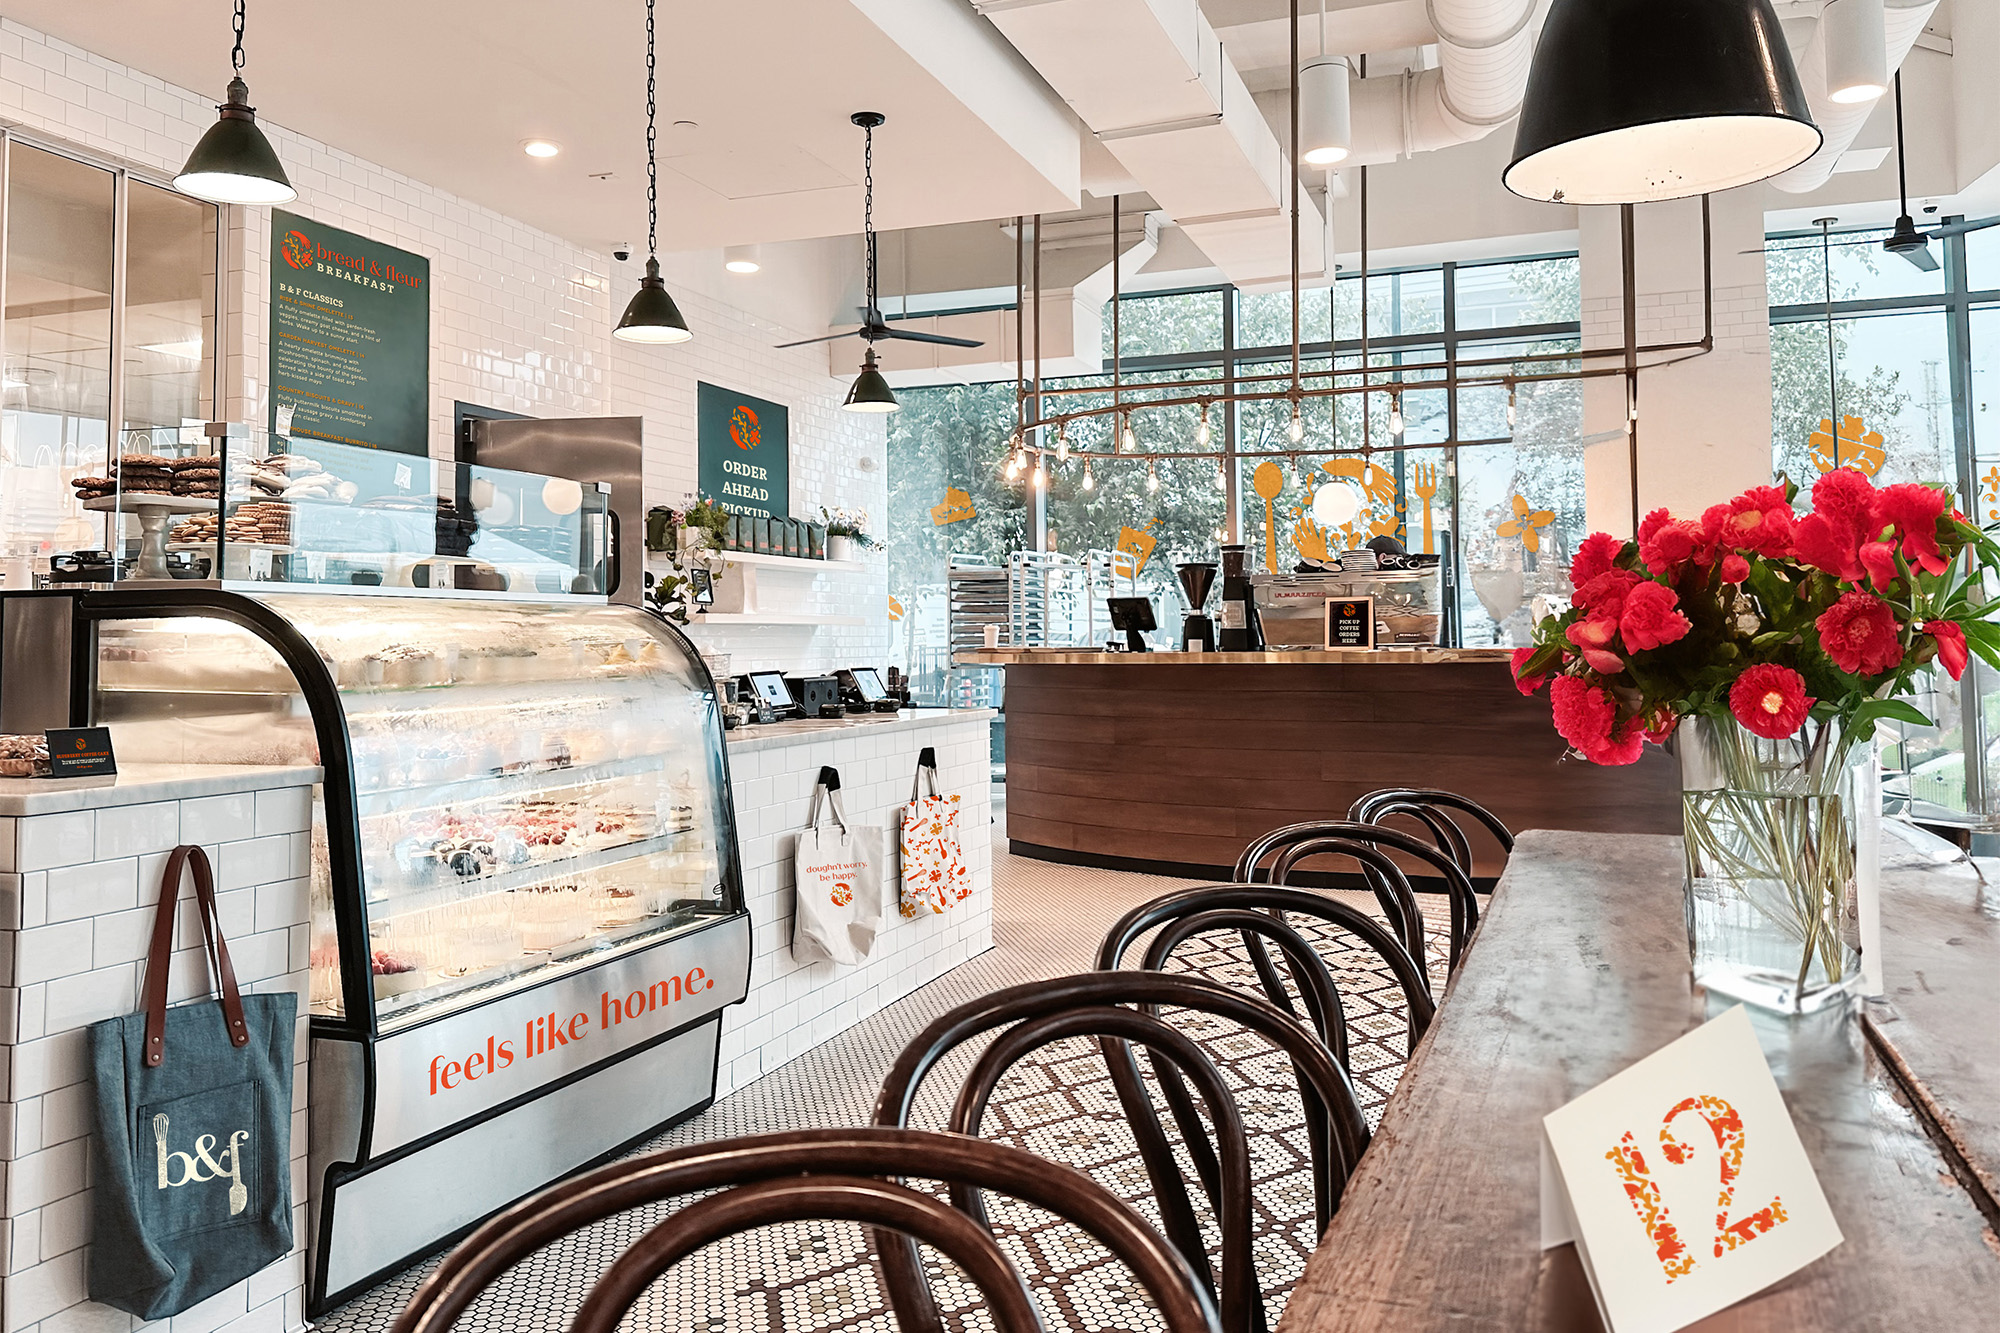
[
  {"x": 350, "y": 337},
  {"x": 746, "y": 452}
]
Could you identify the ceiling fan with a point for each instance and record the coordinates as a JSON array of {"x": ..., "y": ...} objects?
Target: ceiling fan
[
  {"x": 1904, "y": 239},
  {"x": 874, "y": 328}
]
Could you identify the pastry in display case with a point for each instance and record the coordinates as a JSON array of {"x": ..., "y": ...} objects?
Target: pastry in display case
[{"x": 527, "y": 902}]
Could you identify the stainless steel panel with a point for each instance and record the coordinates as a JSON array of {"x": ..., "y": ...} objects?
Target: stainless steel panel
[
  {"x": 35, "y": 662},
  {"x": 333, "y": 1119},
  {"x": 404, "y": 1208},
  {"x": 607, "y": 449},
  {"x": 442, "y": 1074}
]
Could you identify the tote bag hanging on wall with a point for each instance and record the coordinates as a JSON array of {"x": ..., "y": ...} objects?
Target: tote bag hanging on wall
[
  {"x": 194, "y": 1128},
  {"x": 934, "y": 871},
  {"x": 838, "y": 870}
]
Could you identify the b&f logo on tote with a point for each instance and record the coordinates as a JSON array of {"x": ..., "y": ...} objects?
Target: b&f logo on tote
[
  {"x": 1683, "y": 1182},
  {"x": 203, "y": 1171}
]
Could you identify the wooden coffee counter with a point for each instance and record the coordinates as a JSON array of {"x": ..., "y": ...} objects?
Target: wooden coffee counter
[{"x": 1175, "y": 760}]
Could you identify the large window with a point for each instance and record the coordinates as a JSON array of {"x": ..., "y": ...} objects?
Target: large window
[
  {"x": 1884, "y": 366},
  {"x": 110, "y": 312}
]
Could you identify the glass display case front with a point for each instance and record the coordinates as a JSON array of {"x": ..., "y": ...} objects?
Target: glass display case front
[
  {"x": 535, "y": 787},
  {"x": 1409, "y": 605}
]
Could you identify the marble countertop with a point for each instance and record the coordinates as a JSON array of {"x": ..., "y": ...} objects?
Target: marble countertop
[
  {"x": 776, "y": 734},
  {"x": 137, "y": 784},
  {"x": 1295, "y": 657}
]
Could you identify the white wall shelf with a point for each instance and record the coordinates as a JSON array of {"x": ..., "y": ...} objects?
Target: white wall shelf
[
  {"x": 787, "y": 562},
  {"x": 774, "y": 618}
]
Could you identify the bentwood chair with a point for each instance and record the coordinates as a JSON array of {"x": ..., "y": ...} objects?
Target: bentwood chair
[
  {"x": 1432, "y": 808},
  {"x": 1120, "y": 1009},
  {"x": 1285, "y": 848},
  {"x": 812, "y": 1174}
]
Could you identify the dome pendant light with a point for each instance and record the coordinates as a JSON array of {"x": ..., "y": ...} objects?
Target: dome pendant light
[
  {"x": 651, "y": 316},
  {"x": 1633, "y": 101},
  {"x": 871, "y": 392},
  {"x": 234, "y": 163}
]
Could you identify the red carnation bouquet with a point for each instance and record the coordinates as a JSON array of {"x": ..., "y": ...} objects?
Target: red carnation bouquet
[
  {"x": 1769, "y": 643},
  {"x": 1756, "y": 612}
]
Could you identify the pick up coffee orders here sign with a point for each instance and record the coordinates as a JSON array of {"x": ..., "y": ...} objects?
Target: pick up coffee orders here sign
[
  {"x": 1683, "y": 1182},
  {"x": 350, "y": 337},
  {"x": 745, "y": 446}
]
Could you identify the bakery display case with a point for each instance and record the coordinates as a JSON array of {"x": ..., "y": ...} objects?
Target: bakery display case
[
  {"x": 527, "y": 896},
  {"x": 1409, "y": 605}
]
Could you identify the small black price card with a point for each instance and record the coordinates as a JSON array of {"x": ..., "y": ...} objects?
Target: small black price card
[
  {"x": 81, "y": 752},
  {"x": 1350, "y": 622}
]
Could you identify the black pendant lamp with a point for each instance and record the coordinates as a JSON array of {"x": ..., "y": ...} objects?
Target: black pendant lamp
[
  {"x": 870, "y": 392},
  {"x": 1632, "y": 101},
  {"x": 234, "y": 163},
  {"x": 651, "y": 316}
]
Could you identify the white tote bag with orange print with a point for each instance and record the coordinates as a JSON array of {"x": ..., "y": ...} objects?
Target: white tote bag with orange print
[
  {"x": 839, "y": 874},
  {"x": 934, "y": 871}
]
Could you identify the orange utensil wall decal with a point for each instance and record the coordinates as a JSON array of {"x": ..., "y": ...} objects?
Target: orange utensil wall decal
[
  {"x": 1133, "y": 550},
  {"x": 956, "y": 507},
  {"x": 1424, "y": 486}
]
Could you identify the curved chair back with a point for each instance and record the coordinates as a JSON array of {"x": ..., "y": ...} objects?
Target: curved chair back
[
  {"x": 1277, "y": 846},
  {"x": 1432, "y": 807},
  {"x": 1091, "y": 1004},
  {"x": 840, "y": 1174}
]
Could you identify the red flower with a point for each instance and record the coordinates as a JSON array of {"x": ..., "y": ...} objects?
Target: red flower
[
  {"x": 1666, "y": 543},
  {"x": 1587, "y": 717},
  {"x": 1770, "y": 700},
  {"x": 1526, "y": 684},
  {"x": 1843, "y": 517},
  {"x": 1914, "y": 510},
  {"x": 1879, "y": 559},
  {"x": 1859, "y": 634},
  {"x": 1599, "y": 551},
  {"x": 1605, "y": 594},
  {"x": 1760, "y": 520},
  {"x": 1660, "y": 726},
  {"x": 1950, "y": 645},
  {"x": 1592, "y": 638},
  {"x": 1651, "y": 618},
  {"x": 1735, "y": 568}
]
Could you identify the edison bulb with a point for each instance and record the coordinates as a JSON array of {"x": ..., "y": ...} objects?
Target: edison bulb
[
  {"x": 1152, "y": 479},
  {"x": 1202, "y": 433},
  {"x": 1297, "y": 430},
  {"x": 1221, "y": 478},
  {"x": 1062, "y": 446},
  {"x": 1396, "y": 419},
  {"x": 1128, "y": 442},
  {"x": 1089, "y": 482},
  {"x": 1041, "y": 476},
  {"x": 1335, "y": 505}
]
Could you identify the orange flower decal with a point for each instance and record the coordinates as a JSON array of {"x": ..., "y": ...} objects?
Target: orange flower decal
[{"x": 1526, "y": 523}]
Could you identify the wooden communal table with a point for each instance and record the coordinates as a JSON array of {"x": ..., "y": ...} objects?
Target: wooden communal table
[{"x": 1579, "y": 969}]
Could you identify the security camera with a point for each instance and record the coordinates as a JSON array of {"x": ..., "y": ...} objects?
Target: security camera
[{"x": 622, "y": 251}]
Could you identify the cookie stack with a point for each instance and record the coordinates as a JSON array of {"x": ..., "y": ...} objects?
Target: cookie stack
[
  {"x": 146, "y": 472},
  {"x": 201, "y": 529},
  {"x": 93, "y": 488},
  {"x": 271, "y": 519},
  {"x": 201, "y": 475}
]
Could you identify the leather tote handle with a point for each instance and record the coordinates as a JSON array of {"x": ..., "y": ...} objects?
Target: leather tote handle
[
  {"x": 926, "y": 763},
  {"x": 159, "y": 955},
  {"x": 828, "y": 786}
]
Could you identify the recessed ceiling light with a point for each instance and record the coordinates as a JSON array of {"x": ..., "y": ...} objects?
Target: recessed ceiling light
[
  {"x": 741, "y": 259},
  {"x": 540, "y": 147}
]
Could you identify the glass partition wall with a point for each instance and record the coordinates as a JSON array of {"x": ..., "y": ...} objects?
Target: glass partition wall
[
  {"x": 1453, "y": 482},
  {"x": 108, "y": 284}
]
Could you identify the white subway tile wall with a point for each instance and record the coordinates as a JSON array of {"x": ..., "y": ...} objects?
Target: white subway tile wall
[
  {"x": 76, "y": 913},
  {"x": 794, "y": 1006},
  {"x": 520, "y": 321}
]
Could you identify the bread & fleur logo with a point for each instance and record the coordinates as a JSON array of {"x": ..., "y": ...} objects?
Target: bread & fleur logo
[
  {"x": 298, "y": 249},
  {"x": 744, "y": 430}
]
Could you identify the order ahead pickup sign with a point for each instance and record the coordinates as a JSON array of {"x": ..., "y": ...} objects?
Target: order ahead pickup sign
[
  {"x": 350, "y": 337},
  {"x": 746, "y": 452}
]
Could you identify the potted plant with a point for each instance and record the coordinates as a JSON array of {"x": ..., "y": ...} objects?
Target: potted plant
[
  {"x": 704, "y": 523},
  {"x": 846, "y": 533},
  {"x": 1767, "y": 644}
]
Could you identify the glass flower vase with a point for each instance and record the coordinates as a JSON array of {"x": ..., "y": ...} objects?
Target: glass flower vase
[{"x": 1771, "y": 831}]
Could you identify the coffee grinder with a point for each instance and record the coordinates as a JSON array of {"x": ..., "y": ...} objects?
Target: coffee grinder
[{"x": 1196, "y": 580}]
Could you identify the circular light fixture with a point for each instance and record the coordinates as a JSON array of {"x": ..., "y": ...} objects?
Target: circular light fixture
[
  {"x": 870, "y": 392},
  {"x": 1335, "y": 504},
  {"x": 741, "y": 259},
  {"x": 1856, "y": 50},
  {"x": 1633, "y": 101},
  {"x": 1325, "y": 133},
  {"x": 234, "y": 163},
  {"x": 560, "y": 495},
  {"x": 540, "y": 147}
]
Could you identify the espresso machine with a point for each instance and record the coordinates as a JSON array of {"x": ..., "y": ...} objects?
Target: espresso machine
[{"x": 1196, "y": 580}]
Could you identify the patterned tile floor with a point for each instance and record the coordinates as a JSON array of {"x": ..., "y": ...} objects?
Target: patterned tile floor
[{"x": 819, "y": 1279}]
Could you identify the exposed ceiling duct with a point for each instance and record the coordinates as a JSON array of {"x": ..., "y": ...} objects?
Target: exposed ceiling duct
[
  {"x": 1485, "y": 48},
  {"x": 1150, "y": 79},
  {"x": 1902, "y": 22}
]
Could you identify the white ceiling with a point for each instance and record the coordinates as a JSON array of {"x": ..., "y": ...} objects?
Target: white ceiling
[{"x": 445, "y": 90}]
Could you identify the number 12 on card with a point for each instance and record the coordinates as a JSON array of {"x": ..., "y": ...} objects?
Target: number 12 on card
[{"x": 1644, "y": 1191}]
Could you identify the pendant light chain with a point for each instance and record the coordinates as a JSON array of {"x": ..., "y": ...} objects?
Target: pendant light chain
[
  {"x": 652, "y": 144},
  {"x": 868, "y": 206},
  {"x": 236, "y": 55}
]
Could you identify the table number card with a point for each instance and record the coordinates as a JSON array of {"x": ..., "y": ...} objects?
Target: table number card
[{"x": 1683, "y": 1182}]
